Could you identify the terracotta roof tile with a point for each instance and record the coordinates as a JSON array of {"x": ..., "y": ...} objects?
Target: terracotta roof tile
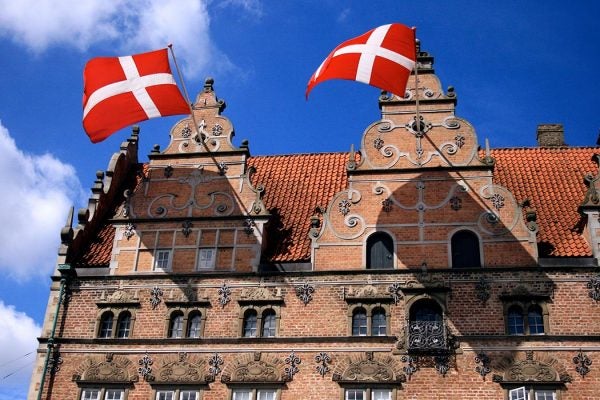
[{"x": 552, "y": 179}]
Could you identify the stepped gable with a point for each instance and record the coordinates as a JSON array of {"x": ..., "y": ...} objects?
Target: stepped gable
[
  {"x": 553, "y": 180},
  {"x": 294, "y": 186}
]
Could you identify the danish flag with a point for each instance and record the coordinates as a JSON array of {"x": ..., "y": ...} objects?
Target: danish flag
[
  {"x": 120, "y": 91},
  {"x": 383, "y": 57}
]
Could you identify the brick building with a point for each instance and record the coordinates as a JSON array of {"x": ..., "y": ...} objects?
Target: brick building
[{"x": 422, "y": 266}]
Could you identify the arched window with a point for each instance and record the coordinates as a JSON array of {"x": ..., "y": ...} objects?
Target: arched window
[
  {"x": 516, "y": 324},
  {"x": 194, "y": 325},
  {"x": 106, "y": 325},
  {"x": 465, "y": 250},
  {"x": 426, "y": 330},
  {"x": 359, "y": 322},
  {"x": 535, "y": 320},
  {"x": 380, "y": 251},
  {"x": 250, "y": 319},
  {"x": 378, "y": 322},
  {"x": 176, "y": 325},
  {"x": 268, "y": 323},
  {"x": 124, "y": 324},
  {"x": 426, "y": 310}
]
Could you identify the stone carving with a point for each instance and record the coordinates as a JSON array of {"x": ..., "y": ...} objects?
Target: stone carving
[
  {"x": 109, "y": 368},
  {"x": 250, "y": 368},
  {"x": 531, "y": 369},
  {"x": 368, "y": 368},
  {"x": 260, "y": 294},
  {"x": 180, "y": 369}
]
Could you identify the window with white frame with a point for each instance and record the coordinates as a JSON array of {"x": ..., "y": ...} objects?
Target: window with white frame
[
  {"x": 102, "y": 394},
  {"x": 178, "y": 394},
  {"x": 206, "y": 258},
  {"x": 369, "y": 320},
  {"x": 531, "y": 393},
  {"x": 368, "y": 394},
  {"x": 162, "y": 260},
  {"x": 254, "y": 394}
]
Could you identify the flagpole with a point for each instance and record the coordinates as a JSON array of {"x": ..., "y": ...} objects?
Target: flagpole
[
  {"x": 187, "y": 98},
  {"x": 418, "y": 119}
]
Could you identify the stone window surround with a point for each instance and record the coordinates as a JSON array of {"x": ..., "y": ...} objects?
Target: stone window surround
[
  {"x": 254, "y": 389},
  {"x": 176, "y": 389},
  {"x": 102, "y": 389},
  {"x": 187, "y": 313},
  {"x": 524, "y": 304},
  {"x": 116, "y": 311},
  {"x": 369, "y": 307},
  {"x": 260, "y": 310},
  {"x": 367, "y": 387},
  {"x": 364, "y": 249},
  {"x": 449, "y": 244},
  {"x": 530, "y": 387}
]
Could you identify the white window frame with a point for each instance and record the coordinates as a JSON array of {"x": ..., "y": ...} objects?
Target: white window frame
[
  {"x": 177, "y": 393},
  {"x": 205, "y": 263},
  {"x": 158, "y": 259},
  {"x": 369, "y": 392},
  {"x": 530, "y": 393},
  {"x": 102, "y": 393},
  {"x": 254, "y": 393}
]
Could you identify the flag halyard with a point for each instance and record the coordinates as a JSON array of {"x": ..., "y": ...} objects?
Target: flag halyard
[{"x": 120, "y": 91}]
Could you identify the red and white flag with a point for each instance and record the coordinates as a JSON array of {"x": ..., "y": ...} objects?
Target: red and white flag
[
  {"x": 383, "y": 57},
  {"x": 120, "y": 91}
]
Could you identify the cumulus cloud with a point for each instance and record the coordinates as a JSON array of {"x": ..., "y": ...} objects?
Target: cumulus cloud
[
  {"x": 132, "y": 26},
  {"x": 37, "y": 193},
  {"x": 18, "y": 333}
]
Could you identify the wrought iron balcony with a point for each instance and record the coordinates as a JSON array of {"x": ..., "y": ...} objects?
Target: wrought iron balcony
[{"x": 427, "y": 336}]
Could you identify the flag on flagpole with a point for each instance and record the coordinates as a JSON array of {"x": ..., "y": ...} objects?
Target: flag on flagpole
[
  {"x": 383, "y": 57},
  {"x": 120, "y": 91}
]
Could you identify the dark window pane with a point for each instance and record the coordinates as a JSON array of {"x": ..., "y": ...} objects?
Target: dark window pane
[
  {"x": 465, "y": 250},
  {"x": 378, "y": 323},
  {"x": 359, "y": 322},
  {"x": 516, "y": 324},
  {"x": 250, "y": 323},
  {"x": 194, "y": 326},
  {"x": 535, "y": 320},
  {"x": 176, "y": 326},
  {"x": 426, "y": 310},
  {"x": 380, "y": 251},
  {"x": 106, "y": 325},
  {"x": 124, "y": 325},
  {"x": 268, "y": 324}
]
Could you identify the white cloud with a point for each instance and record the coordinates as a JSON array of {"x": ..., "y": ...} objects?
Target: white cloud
[
  {"x": 36, "y": 196},
  {"x": 130, "y": 26},
  {"x": 18, "y": 333}
]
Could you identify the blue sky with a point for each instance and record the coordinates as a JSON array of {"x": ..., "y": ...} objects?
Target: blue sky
[{"x": 514, "y": 65}]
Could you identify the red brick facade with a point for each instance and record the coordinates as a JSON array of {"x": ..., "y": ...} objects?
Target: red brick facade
[{"x": 419, "y": 267}]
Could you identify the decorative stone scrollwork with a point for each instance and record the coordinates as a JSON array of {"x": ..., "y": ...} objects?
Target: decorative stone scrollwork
[
  {"x": 322, "y": 359},
  {"x": 594, "y": 287},
  {"x": 155, "y": 297},
  {"x": 181, "y": 369},
  {"x": 582, "y": 364},
  {"x": 305, "y": 292},
  {"x": 109, "y": 368},
  {"x": 369, "y": 369},
  {"x": 145, "y": 367},
  {"x": 254, "y": 368},
  {"x": 293, "y": 361},
  {"x": 483, "y": 364},
  {"x": 531, "y": 369},
  {"x": 224, "y": 294}
]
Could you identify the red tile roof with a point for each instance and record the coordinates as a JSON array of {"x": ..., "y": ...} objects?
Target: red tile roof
[{"x": 552, "y": 179}]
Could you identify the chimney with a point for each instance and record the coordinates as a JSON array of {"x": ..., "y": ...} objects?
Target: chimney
[{"x": 550, "y": 135}]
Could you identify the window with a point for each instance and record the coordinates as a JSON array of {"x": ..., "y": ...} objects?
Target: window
[
  {"x": 526, "y": 318},
  {"x": 368, "y": 394},
  {"x": 124, "y": 325},
  {"x": 162, "y": 260},
  {"x": 465, "y": 250},
  {"x": 250, "y": 319},
  {"x": 176, "y": 325},
  {"x": 102, "y": 394},
  {"x": 426, "y": 329},
  {"x": 106, "y": 325},
  {"x": 380, "y": 251},
  {"x": 531, "y": 393},
  {"x": 177, "y": 394},
  {"x": 359, "y": 322},
  {"x": 206, "y": 258},
  {"x": 254, "y": 394},
  {"x": 268, "y": 323},
  {"x": 194, "y": 325},
  {"x": 369, "y": 319}
]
